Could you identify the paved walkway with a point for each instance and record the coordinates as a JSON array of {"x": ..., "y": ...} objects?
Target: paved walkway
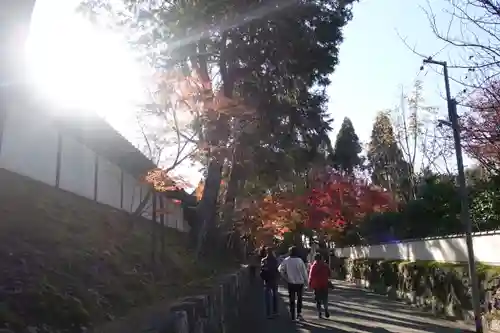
[{"x": 355, "y": 310}]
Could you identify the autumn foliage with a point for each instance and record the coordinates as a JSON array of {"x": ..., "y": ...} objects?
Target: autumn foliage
[
  {"x": 281, "y": 212},
  {"x": 338, "y": 200},
  {"x": 481, "y": 127},
  {"x": 331, "y": 204},
  {"x": 162, "y": 181},
  {"x": 194, "y": 95}
]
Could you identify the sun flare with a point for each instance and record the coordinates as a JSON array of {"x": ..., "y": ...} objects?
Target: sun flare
[{"x": 79, "y": 66}]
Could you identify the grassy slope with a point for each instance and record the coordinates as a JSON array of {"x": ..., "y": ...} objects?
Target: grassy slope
[{"x": 67, "y": 262}]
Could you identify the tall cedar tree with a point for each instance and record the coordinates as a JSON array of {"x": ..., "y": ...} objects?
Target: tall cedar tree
[
  {"x": 292, "y": 122},
  {"x": 347, "y": 149},
  {"x": 270, "y": 54},
  {"x": 389, "y": 170}
]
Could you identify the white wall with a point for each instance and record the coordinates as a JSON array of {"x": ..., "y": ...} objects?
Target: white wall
[
  {"x": 178, "y": 216},
  {"x": 148, "y": 209},
  {"x": 449, "y": 249},
  {"x": 29, "y": 146},
  {"x": 175, "y": 218},
  {"x": 108, "y": 183},
  {"x": 131, "y": 193},
  {"x": 77, "y": 168}
]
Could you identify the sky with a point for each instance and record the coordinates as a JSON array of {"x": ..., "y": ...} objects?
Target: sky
[
  {"x": 375, "y": 62},
  {"x": 72, "y": 59},
  {"x": 378, "y": 61}
]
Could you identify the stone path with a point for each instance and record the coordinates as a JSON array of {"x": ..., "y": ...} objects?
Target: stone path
[{"x": 355, "y": 310}]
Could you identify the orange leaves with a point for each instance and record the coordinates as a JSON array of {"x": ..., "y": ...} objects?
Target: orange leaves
[
  {"x": 199, "y": 190},
  {"x": 198, "y": 95},
  {"x": 162, "y": 181},
  {"x": 234, "y": 107},
  {"x": 185, "y": 86},
  {"x": 330, "y": 205},
  {"x": 339, "y": 200},
  {"x": 276, "y": 214},
  {"x": 194, "y": 93}
]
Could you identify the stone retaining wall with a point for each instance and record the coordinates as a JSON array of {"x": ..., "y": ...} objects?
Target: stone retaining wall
[
  {"x": 442, "y": 288},
  {"x": 217, "y": 309},
  {"x": 215, "y": 312}
]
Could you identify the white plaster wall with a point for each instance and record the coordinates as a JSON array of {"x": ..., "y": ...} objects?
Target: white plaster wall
[
  {"x": 452, "y": 249},
  {"x": 158, "y": 207},
  {"x": 136, "y": 199},
  {"x": 29, "y": 147},
  {"x": 168, "y": 217},
  {"x": 131, "y": 193},
  {"x": 175, "y": 217},
  {"x": 29, "y": 144},
  {"x": 172, "y": 221},
  {"x": 179, "y": 215},
  {"x": 148, "y": 208},
  {"x": 108, "y": 183},
  {"x": 77, "y": 168}
]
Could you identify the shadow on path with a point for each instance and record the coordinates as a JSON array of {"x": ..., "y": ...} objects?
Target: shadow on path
[{"x": 352, "y": 310}]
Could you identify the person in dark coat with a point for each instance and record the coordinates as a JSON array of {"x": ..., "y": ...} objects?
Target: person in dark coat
[{"x": 270, "y": 275}]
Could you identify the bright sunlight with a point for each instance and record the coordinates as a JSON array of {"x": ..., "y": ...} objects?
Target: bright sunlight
[{"x": 80, "y": 67}]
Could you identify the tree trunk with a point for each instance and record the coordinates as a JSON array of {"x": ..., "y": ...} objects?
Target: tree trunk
[
  {"x": 208, "y": 205},
  {"x": 207, "y": 208},
  {"x": 162, "y": 223},
  {"x": 143, "y": 203},
  {"x": 235, "y": 179},
  {"x": 237, "y": 169},
  {"x": 153, "y": 229}
]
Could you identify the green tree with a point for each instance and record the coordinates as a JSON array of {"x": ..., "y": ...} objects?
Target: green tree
[
  {"x": 347, "y": 148},
  {"x": 484, "y": 198},
  {"x": 389, "y": 170},
  {"x": 436, "y": 210},
  {"x": 269, "y": 55}
]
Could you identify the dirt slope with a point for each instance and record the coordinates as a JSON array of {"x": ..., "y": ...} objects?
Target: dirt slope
[{"x": 67, "y": 262}]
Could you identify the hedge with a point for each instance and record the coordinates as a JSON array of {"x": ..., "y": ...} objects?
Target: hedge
[{"x": 442, "y": 288}]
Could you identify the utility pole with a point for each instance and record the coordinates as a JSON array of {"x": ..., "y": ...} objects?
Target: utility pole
[{"x": 464, "y": 205}]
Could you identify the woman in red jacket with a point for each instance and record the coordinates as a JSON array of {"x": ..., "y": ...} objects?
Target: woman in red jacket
[{"x": 318, "y": 281}]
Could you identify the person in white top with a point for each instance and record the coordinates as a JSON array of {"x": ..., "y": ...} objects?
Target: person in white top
[{"x": 294, "y": 272}]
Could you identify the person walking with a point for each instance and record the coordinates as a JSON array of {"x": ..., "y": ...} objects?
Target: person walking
[
  {"x": 269, "y": 274},
  {"x": 294, "y": 272},
  {"x": 319, "y": 276}
]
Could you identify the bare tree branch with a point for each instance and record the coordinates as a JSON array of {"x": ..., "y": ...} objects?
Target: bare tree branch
[{"x": 417, "y": 134}]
